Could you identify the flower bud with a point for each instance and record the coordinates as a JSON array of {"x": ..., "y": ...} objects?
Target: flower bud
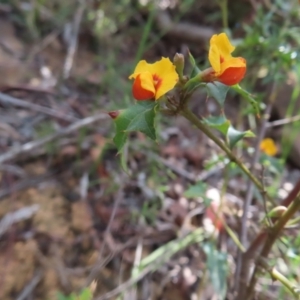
[
  {"x": 178, "y": 61},
  {"x": 114, "y": 114},
  {"x": 277, "y": 212}
]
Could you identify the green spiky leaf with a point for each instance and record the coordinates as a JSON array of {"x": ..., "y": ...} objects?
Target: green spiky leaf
[
  {"x": 139, "y": 117},
  {"x": 233, "y": 136},
  {"x": 218, "y": 91},
  {"x": 220, "y": 123},
  {"x": 144, "y": 121}
]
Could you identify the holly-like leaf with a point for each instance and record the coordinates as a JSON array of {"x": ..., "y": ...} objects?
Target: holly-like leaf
[
  {"x": 217, "y": 266},
  {"x": 220, "y": 123},
  {"x": 138, "y": 117},
  {"x": 144, "y": 121},
  {"x": 233, "y": 136},
  {"x": 218, "y": 91},
  {"x": 195, "y": 69}
]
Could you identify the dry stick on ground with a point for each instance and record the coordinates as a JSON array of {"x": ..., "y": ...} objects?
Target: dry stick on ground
[
  {"x": 284, "y": 121},
  {"x": 151, "y": 267},
  {"x": 242, "y": 276},
  {"x": 98, "y": 266},
  {"x": 126, "y": 285},
  {"x": 6, "y": 99},
  {"x": 204, "y": 175},
  {"x": 17, "y": 151},
  {"x": 48, "y": 40},
  {"x": 19, "y": 215},
  {"x": 186, "y": 31},
  {"x": 73, "y": 40},
  {"x": 29, "y": 288}
]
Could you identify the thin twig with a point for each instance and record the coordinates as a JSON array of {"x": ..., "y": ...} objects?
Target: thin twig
[
  {"x": 149, "y": 264},
  {"x": 44, "y": 43},
  {"x": 283, "y": 121},
  {"x": 126, "y": 285},
  {"x": 239, "y": 275},
  {"x": 276, "y": 275},
  {"x": 25, "y": 183},
  {"x": 21, "y": 214},
  {"x": 182, "y": 30},
  {"x": 17, "y": 151},
  {"x": 98, "y": 265},
  {"x": 185, "y": 174},
  {"x": 132, "y": 293},
  {"x": 15, "y": 170},
  {"x": 272, "y": 236},
  {"x": 74, "y": 40},
  {"x": 6, "y": 99},
  {"x": 31, "y": 286}
]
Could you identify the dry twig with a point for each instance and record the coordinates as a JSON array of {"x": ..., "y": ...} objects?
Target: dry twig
[
  {"x": 17, "y": 151},
  {"x": 186, "y": 31},
  {"x": 73, "y": 40},
  {"x": 6, "y": 100},
  {"x": 21, "y": 214},
  {"x": 99, "y": 264},
  {"x": 30, "y": 286}
]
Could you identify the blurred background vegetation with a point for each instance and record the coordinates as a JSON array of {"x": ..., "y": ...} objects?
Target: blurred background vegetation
[{"x": 83, "y": 219}]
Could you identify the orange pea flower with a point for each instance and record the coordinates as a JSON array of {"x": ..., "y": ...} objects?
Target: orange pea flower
[
  {"x": 268, "y": 146},
  {"x": 151, "y": 81},
  {"x": 227, "y": 69}
]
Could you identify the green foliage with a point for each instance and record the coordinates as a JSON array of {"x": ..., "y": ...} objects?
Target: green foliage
[
  {"x": 46, "y": 129},
  {"x": 196, "y": 190},
  {"x": 195, "y": 68},
  {"x": 85, "y": 294},
  {"x": 248, "y": 97},
  {"x": 218, "y": 267},
  {"x": 218, "y": 91},
  {"x": 219, "y": 122},
  {"x": 233, "y": 136},
  {"x": 223, "y": 125},
  {"x": 139, "y": 117}
]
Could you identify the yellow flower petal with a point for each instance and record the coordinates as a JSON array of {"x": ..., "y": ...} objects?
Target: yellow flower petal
[
  {"x": 233, "y": 62},
  {"x": 223, "y": 44},
  {"x": 228, "y": 70},
  {"x": 141, "y": 67},
  {"x": 159, "y": 77},
  {"x": 214, "y": 58},
  {"x": 147, "y": 81},
  {"x": 165, "y": 75}
]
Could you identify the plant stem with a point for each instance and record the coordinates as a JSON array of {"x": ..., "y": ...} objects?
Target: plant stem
[
  {"x": 276, "y": 275},
  {"x": 224, "y": 9},
  {"x": 250, "y": 191},
  {"x": 201, "y": 126},
  {"x": 272, "y": 236}
]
